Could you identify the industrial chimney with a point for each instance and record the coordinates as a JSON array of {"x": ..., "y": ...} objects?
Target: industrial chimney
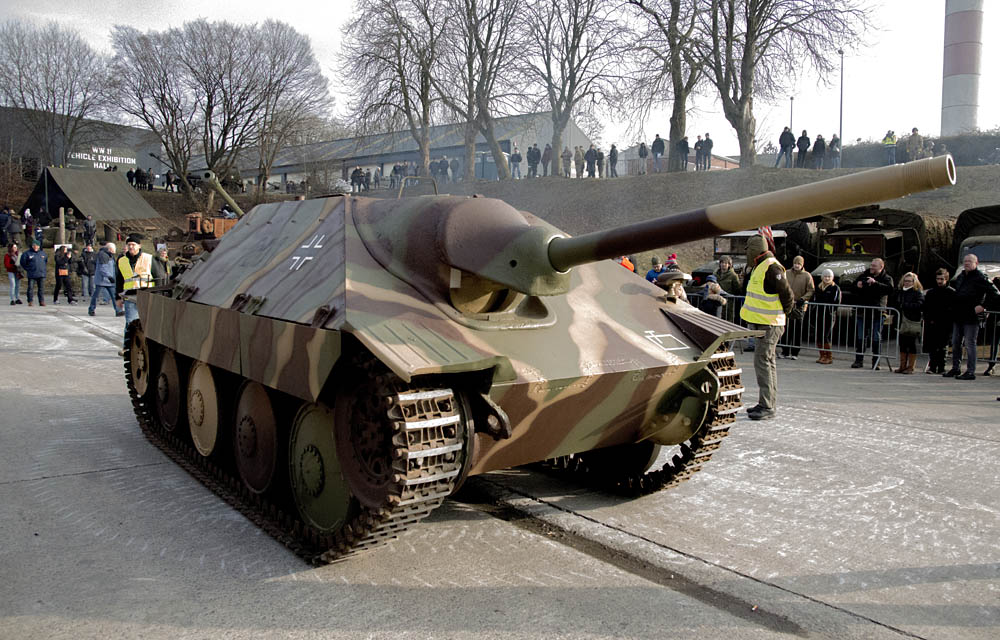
[{"x": 963, "y": 47}]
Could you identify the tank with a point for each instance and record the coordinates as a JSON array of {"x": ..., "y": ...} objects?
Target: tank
[{"x": 336, "y": 368}]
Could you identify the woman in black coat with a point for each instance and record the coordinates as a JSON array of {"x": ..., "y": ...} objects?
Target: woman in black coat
[
  {"x": 825, "y": 297},
  {"x": 937, "y": 320}
]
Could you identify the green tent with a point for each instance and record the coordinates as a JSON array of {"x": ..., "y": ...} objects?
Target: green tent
[{"x": 106, "y": 195}]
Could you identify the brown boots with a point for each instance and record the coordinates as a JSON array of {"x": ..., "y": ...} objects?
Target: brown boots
[
  {"x": 906, "y": 362},
  {"x": 825, "y": 355}
]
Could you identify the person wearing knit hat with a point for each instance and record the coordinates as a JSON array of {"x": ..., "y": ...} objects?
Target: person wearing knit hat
[
  {"x": 802, "y": 285},
  {"x": 656, "y": 270},
  {"x": 136, "y": 270},
  {"x": 769, "y": 299}
]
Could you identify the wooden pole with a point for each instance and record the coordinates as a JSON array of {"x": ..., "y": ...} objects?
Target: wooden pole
[{"x": 62, "y": 225}]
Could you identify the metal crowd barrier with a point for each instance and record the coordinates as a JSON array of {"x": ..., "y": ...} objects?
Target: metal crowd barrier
[{"x": 838, "y": 325}]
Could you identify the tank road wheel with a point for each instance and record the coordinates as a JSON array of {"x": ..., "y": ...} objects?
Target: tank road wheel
[
  {"x": 169, "y": 392},
  {"x": 203, "y": 409},
  {"x": 255, "y": 437},
  {"x": 139, "y": 360},
  {"x": 321, "y": 495}
]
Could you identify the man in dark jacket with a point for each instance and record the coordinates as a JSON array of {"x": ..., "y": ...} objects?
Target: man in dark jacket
[
  {"x": 803, "y": 144},
  {"x": 515, "y": 164},
  {"x": 973, "y": 294},
  {"x": 769, "y": 300},
  {"x": 786, "y": 142},
  {"x": 819, "y": 152},
  {"x": 657, "y": 149},
  {"x": 706, "y": 153},
  {"x": 683, "y": 151},
  {"x": 643, "y": 154},
  {"x": 591, "y": 158},
  {"x": 613, "y": 162},
  {"x": 937, "y": 321},
  {"x": 4, "y": 225},
  {"x": 871, "y": 292},
  {"x": 89, "y": 231},
  {"x": 699, "y": 151},
  {"x": 85, "y": 268},
  {"x": 546, "y": 159},
  {"x": 534, "y": 157},
  {"x": 34, "y": 261}
]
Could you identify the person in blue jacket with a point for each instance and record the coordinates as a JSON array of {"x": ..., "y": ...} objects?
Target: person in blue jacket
[
  {"x": 34, "y": 262},
  {"x": 104, "y": 278}
]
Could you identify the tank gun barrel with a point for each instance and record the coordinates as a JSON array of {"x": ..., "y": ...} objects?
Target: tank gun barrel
[
  {"x": 209, "y": 177},
  {"x": 826, "y": 196}
]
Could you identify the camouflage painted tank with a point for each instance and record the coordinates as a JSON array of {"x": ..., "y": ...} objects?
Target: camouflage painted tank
[{"x": 335, "y": 368}]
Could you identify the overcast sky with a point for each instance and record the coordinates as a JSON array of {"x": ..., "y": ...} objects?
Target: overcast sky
[{"x": 894, "y": 83}]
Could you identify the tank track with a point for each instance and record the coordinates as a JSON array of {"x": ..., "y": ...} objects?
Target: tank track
[
  {"x": 426, "y": 463},
  {"x": 692, "y": 454}
]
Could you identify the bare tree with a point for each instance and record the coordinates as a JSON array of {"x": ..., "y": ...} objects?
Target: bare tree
[
  {"x": 219, "y": 90},
  {"x": 389, "y": 55},
  {"x": 669, "y": 62},
  {"x": 55, "y": 80},
  {"x": 150, "y": 88},
  {"x": 758, "y": 46},
  {"x": 295, "y": 92},
  {"x": 479, "y": 78},
  {"x": 221, "y": 63},
  {"x": 575, "y": 50}
]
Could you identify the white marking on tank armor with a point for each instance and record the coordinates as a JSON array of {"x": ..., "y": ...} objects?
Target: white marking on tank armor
[
  {"x": 727, "y": 354},
  {"x": 663, "y": 339},
  {"x": 731, "y": 392}
]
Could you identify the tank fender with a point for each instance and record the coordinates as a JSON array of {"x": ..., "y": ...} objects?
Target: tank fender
[
  {"x": 290, "y": 357},
  {"x": 705, "y": 331}
]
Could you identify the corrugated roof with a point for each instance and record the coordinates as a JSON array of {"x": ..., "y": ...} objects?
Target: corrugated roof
[
  {"x": 106, "y": 195},
  {"x": 441, "y": 136}
]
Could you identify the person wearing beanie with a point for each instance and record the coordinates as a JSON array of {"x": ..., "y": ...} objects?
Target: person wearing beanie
[
  {"x": 827, "y": 296},
  {"x": 802, "y": 286},
  {"x": 136, "y": 270},
  {"x": 34, "y": 262},
  {"x": 769, "y": 299},
  {"x": 656, "y": 270}
]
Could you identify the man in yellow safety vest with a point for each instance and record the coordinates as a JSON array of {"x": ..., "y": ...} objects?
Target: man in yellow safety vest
[
  {"x": 769, "y": 299},
  {"x": 135, "y": 270}
]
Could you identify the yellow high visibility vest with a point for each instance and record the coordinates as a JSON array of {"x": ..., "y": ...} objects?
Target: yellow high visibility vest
[
  {"x": 760, "y": 307},
  {"x": 143, "y": 269}
]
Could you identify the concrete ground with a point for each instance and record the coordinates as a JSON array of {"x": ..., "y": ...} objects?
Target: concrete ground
[{"x": 866, "y": 509}]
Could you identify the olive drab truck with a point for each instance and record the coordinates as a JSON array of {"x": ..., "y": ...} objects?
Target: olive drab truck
[
  {"x": 977, "y": 231},
  {"x": 905, "y": 241},
  {"x": 335, "y": 368}
]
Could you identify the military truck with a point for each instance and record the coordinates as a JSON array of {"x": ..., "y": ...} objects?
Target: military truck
[
  {"x": 978, "y": 231},
  {"x": 791, "y": 239},
  {"x": 905, "y": 241}
]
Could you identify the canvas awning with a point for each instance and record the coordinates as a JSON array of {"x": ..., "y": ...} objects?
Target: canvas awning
[{"x": 106, "y": 195}]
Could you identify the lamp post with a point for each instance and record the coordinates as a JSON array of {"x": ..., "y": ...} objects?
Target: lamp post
[
  {"x": 791, "y": 112},
  {"x": 840, "y": 128}
]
